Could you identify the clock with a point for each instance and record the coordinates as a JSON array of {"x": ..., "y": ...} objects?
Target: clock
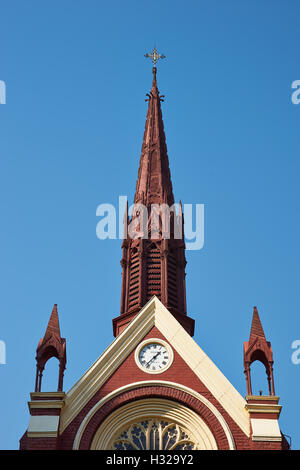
[{"x": 154, "y": 356}]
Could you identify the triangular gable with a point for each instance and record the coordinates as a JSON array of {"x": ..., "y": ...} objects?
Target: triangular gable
[{"x": 154, "y": 313}]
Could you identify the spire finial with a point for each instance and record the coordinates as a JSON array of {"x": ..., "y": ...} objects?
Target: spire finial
[{"x": 155, "y": 56}]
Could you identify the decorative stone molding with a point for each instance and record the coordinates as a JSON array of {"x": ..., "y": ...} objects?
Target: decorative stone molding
[
  {"x": 264, "y": 412},
  {"x": 179, "y": 394},
  {"x": 159, "y": 409}
]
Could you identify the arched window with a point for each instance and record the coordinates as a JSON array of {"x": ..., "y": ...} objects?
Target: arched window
[
  {"x": 153, "y": 434},
  {"x": 153, "y": 424}
]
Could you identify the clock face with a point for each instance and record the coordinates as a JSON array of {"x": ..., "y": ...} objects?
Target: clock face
[{"x": 154, "y": 357}]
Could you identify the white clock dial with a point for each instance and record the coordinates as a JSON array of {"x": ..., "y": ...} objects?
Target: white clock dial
[{"x": 154, "y": 357}]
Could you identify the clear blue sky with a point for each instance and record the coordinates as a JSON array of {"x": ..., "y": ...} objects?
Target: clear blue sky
[{"x": 70, "y": 139}]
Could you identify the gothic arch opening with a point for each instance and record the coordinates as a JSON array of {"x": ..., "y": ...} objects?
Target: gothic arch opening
[
  {"x": 259, "y": 383},
  {"x": 154, "y": 424},
  {"x": 50, "y": 375}
]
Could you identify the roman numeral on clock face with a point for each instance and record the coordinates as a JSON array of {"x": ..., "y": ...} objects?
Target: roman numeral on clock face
[{"x": 154, "y": 356}]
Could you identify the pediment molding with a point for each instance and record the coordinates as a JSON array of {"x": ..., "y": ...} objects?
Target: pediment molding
[{"x": 154, "y": 313}]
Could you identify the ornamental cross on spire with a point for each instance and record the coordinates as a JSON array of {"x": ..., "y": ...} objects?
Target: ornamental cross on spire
[{"x": 155, "y": 56}]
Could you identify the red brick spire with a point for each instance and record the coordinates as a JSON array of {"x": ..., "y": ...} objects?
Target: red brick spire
[
  {"x": 51, "y": 345},
  {"x": 154, "y": 264},
  {"x": 256, "y": 327},
  {"x": 53, "y": 326},
  {"x": 154, "y": 184},
  {"x": 258, "y": 349}
]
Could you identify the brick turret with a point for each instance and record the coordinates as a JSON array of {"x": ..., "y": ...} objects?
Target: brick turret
[
  {"x": 258, "y": 349},
  {"x": 51, "y": 345}
]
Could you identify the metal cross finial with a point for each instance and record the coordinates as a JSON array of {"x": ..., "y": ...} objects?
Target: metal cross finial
[{"x": 155, "y": 56}]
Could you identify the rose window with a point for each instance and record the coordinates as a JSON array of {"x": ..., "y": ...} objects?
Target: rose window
[{"x": 154, "y": 435}]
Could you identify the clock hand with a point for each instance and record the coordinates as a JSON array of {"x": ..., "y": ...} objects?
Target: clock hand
[{"x": 153, "y": 357}]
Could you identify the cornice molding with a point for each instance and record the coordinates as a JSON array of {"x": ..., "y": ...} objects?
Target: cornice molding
[
  {"x": 47, "y": 395},
  {"x": 263, "y": 408},
  {"x": 45, "y": 404},
  {"x": 258, "y": 398}
]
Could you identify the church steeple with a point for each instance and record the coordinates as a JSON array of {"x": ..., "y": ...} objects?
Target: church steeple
[
  {"x": 154, "y": 185},
  {"x": 154, "y": 262},
  {"x": 153, "y": 388}
]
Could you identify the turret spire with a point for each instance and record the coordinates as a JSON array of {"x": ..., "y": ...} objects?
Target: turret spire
[
  {"x": 51, "y": 345},
  {"x": 256, "y": 327},
  {"x": 53, "y": 328},
  {"x": 258, "y": 349}
]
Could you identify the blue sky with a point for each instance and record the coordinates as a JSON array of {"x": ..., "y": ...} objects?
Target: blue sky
[{"x": 70, "y": 139}]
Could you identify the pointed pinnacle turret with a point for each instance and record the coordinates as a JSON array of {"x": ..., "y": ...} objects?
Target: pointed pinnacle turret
[
  {"x": 52, "y": 335},
  {"x": 53, "y": 324},
  {"x": 256, "y": 327},
  {"x": 51, "y": 345},
  {"x": 258, "y": 349},
  {"x": 154, "y": 184}
]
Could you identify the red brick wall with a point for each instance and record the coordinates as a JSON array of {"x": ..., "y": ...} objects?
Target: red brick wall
[
  {"x": 154, "y": 392},
  {"x": 129, "y": 372},
  {"x": 38, "y": 443}
]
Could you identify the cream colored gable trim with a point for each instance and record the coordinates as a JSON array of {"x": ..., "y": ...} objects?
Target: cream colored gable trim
[
  {"x": 135, "y": 385},
  {"x": 107, "y": 363},
  {"x": 204, "y": 368},
  {"x": 154, "y": 313}
]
